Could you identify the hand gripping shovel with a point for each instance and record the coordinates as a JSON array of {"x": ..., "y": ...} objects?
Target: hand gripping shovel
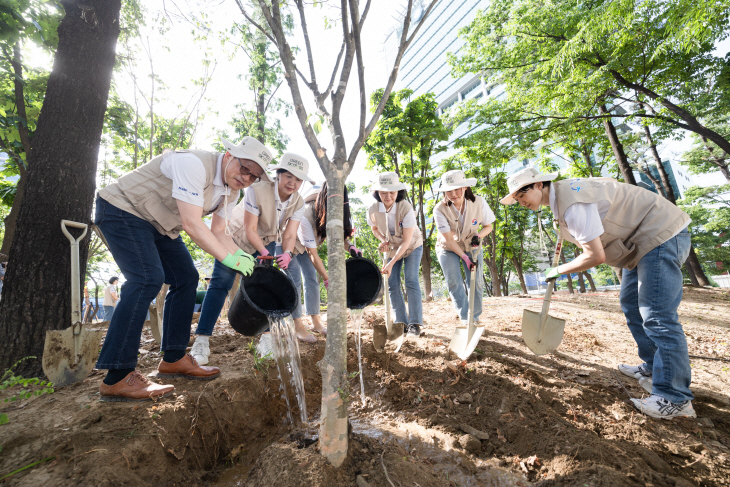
[
  {"x": 466, "y": 338},
  {"x": 393, "y": 332},
  {"x": 69, "y": 355},
  {"x": 543, "y": 333}
]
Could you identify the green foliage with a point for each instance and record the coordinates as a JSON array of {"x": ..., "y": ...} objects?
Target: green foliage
[
  {"x": 709, "y": 209},
  {"x": 705, "y": 156},
  {"x": 27, "y": 387},
  {"x": 260, "y": 364}
]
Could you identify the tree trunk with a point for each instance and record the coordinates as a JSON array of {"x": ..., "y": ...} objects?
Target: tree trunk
[
  {"x": 657, "y": 184},
  {"x": 520, "y": 275},
  {"x": 333, "y": 424},
  {"x": 60, "y": 184},
  {"x": 668, "y": 190},
  {"x": 719, "y": 162},
  {"x": 590, "y": 281},
  {"x": 426, "y": 271},
  {"x": 694, "y": 269},
  {"x": 570, "y": 279},
  {"x": 618, "y": 148}
]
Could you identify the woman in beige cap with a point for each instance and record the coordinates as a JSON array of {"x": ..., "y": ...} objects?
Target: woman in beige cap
[
  {"x": 393, "y": 222},
  {"x": 459, "y": 217},
  {"x": 634, "y": 229}
]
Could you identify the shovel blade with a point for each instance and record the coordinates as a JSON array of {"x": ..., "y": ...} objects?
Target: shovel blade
[
  {"x": 380, "y": 337},
  {"x": 396, "y": 336},
  {"x": 60, "y": 364},
  {"x": 551, "y": 336},
  {"x": 391, "y": 335},
  {"x": 461, "y": 345}
]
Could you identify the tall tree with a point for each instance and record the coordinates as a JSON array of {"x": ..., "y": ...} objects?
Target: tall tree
[
  {"x": 62, "y": 172},
  {"x": 403, "y": 140},
  {"x": 24, "y": 25},
  {"x": 336, "y": 167}
]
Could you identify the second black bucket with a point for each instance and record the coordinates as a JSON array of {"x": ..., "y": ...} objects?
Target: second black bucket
[
  {"x": 364, "y": 282},
  {"x": 266, "y": 292}
]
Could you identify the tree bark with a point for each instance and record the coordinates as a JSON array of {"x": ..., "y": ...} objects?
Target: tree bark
[
  {"x": 520, "y": 275},
  {"x": 61, "y": 179},
  {"x": 617, "y": 147},
  {"x": 426, "y": 271},
  {"x": 718, "y": 161},
  {"x": 657, "y": 184},
  {"x": 590, "y": 281},
  {"x": 694, "y": 269}
]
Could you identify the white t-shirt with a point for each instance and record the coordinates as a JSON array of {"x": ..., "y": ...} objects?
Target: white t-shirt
[
  {"x": 187, "y": 172},
  {"x": 409, "y": 220},
  {"x": 583, "y": 219},
  {"x": 442, "y": 222},
  {"x": 306, "y": 234},
  {"x": 249, "y": 201}
]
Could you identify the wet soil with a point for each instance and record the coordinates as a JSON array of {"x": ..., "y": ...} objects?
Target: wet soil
[{"x": 503, "y": 417}]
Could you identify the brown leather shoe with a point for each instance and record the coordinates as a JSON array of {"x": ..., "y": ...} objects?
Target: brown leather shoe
[
  {"x": 187, "y": 367},
  {"x": 134, "y": 387}
]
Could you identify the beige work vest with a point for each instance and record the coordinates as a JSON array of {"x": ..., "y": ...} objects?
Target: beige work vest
[
  {"x": 268, "y": 225},
  {"x": 299, "y": 247},
  {"x": 147, "y": 193},
  {"x": 637, "y": 221},
  {"x": 473, "y": 217},
  {"x": 402, "y": 209}
]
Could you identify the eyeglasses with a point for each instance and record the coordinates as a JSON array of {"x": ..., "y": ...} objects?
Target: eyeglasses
[{"x": 247, "y": 172}]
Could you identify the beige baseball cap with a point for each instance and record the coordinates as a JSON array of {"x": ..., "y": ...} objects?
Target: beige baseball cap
[
  {"x": 250, "y": 148},
  {"x": 455, "y": 179},
  {"x": 387, "y": 181},
  {"x": 521, "y": 179},
  {"x": 295, "y": 164}
]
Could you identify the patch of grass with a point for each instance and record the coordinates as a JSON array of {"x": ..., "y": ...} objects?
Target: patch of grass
[
  {"x": 260, "y": 363},
  {"x": 27, "y": 387}
]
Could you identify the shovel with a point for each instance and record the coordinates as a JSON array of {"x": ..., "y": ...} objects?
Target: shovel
[
  {"x": 69, "y": 355},
  {"x": 393, "y": 332},
  {"x": 466, "y": 338},
  {"x": 543, "y": 333}
]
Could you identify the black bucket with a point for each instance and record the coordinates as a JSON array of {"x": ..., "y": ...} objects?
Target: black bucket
[
  {"x": 364, "y": 282},
  {"x": 267, "y": 291}
]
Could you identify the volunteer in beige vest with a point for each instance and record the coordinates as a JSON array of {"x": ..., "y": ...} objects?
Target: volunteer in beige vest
[
  {"x": 459, "y": 217},
  {"x": 632, "y": 228},
  {"x": 141, "y": 216},
  {"x": 110, "y": 298},
  {"x": 265, "y": 223},
  {"x": 393, "y": 222},
  {"x": 311, "y": 234}
]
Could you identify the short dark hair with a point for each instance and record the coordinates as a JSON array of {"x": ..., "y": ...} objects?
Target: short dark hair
[
  {"x": 400, "y": 197},
  {"x": 280, "y": 171},
  {"x": 468, "y": 194},
  {"x": 525, "y": 189},
  {"x": 113, "y": 280}
]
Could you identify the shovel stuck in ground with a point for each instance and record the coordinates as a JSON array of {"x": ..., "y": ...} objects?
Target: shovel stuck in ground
[
  {"x": 391, "y": 334},
  {"x": 466, "y": 338},
  {"x": 543, "y": 333},
  {"x": 69, "y": 355}
]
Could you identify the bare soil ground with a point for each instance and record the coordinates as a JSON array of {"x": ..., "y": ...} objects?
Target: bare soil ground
[{"x": 561, "y": 419}]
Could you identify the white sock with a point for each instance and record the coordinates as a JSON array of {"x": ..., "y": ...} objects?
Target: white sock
[{"x": 202, "y": 339}]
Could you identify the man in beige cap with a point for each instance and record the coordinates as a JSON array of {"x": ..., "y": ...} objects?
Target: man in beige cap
[
  {"x": 141, "y": 216},
  {"x": 634, "y": 229}
]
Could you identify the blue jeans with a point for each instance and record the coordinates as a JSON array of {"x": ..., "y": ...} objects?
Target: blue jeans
[
  {"x": 108, "y": 312},
  {"x": 311, "y": 284},
  {"x": 147, "y": 259},
  {"x": 650, "y": 296},
  {"x": 221, "y": 283},
  {"x": 413, "y": 289},
  {"x": 451, "y": 265},
  {"x": 295, "y": 273}
]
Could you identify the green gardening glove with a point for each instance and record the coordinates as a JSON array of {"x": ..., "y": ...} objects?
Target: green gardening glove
[
  {"x": 239, "y": 262},
  {"x": 552, "y": 274}
]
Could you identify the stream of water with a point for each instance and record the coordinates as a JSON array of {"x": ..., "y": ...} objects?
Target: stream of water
[
  {"x": 357, "y": 319},
  {"x": 286, "y": 355}
]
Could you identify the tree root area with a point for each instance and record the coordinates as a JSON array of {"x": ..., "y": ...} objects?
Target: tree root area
[{"x": 503, "y": 417}]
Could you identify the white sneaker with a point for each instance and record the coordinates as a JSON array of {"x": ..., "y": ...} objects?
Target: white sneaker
[
  {"x": 200, "y": 350},
  {"x": 265, "y": 347},
  {"x": 658, "y": 407},
  {"x": 635, "y": 371}
]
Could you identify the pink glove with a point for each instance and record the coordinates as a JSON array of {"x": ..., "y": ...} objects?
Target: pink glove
[
  {"x": 283, "y": 260},
  {"x": 355, "y": 252},
  {"x": 326, "y": 283},
  {"x": 469, "y": 263},
  {"x": 263, "y": 254}
]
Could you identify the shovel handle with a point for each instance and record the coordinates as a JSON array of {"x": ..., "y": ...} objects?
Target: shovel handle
[
  {"x": 386, "y": 294},
  {"x": 549, "y": 292},
  {"x": 69, "y": 223}
]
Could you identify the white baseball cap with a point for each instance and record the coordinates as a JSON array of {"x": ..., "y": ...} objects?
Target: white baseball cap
[
  {"x": 252, "y": 149},
  {"x": 523, "y": 178},
  {"x": 455, "y": 179},
  {"x": 295, "y": 164},
  {"x": 316, "y": 188},
  {"x": 388, "y": 181}
]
